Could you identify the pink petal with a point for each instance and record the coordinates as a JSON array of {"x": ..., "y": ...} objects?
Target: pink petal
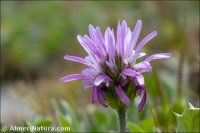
[
  {"x": 127, "y": 43},
  {"x": 100, "y": 38},
  {"x": 135, "y": 34},
  {"x": 110, "y": 43},
  {"x": 95, "y": 36},
  {"x": 158, "y": 56},
  {"x": 92, "y": 32},
  {"x": 119, "y": 46},
  {"x": 87, "y": 83},
  {"x": 79, "y": 60},
  {"x": 130, "y": 72},
  {"x": 145, "y": 41},
  {"x": 101, "y": 98},
  {"x": 83, "y": 44},
  {"x": 140, "y": 80},
  {"x": 140, "y": 55},
  {"x": 143, "y": 67},
  {"x": 134, "y": 57},
  {"x": 122, "y": 95},
  {"x": 123, "y": 30},
  {"x": 143, "y": 101},
  {"x": 74, "y": 77},
  {"x": 100, "y": 79},
  {"x": 89, "y": 72},
  {"x": 93, "y": 47},
  {"x": 94, "y": 95}
]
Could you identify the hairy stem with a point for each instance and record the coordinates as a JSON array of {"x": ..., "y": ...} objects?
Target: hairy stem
[{"x": 122, "y": 119}]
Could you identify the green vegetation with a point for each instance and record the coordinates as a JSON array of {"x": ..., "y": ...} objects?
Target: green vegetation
[{"x": 35, "y": 35}]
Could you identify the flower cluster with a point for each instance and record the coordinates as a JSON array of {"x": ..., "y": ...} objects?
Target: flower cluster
[{"x": 112, "y": 71}]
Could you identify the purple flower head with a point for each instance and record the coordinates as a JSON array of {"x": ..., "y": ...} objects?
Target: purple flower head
[{"x": 112, "y": 66}]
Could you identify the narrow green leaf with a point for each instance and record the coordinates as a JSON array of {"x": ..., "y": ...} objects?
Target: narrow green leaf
[
  {"x": 134, "y": 128},
  {"x": 64, "y": 123},
  {"x": 43, "y": 122},
  {"x": 147, "y": 124},
  {"x": 188, "y": 121},
  {"x": 63, "y": 108}
]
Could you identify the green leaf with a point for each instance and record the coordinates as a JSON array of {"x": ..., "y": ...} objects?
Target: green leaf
[
  {"x": 147, "y": 124},
  {"x": 134, "y": 128},
  {"x": 43, "y": 122},
  {"x": 64, "y": 123},
  {"x": 63, "y": 108},
  {"x": 189, "y": 120},
  {"x": 98, "y": 118}
]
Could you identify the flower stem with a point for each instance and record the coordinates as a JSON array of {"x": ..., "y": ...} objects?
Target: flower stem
[{"x": 122, "y": 119}]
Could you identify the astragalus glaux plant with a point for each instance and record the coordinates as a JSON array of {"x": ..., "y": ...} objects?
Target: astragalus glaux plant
[{"x": 113, "y": 73}]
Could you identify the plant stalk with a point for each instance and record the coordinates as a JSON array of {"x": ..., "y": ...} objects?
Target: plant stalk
[{"x": 122, "y": 119}]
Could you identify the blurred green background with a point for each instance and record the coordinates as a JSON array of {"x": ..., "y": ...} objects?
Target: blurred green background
[{"x": 35, "y": 35}]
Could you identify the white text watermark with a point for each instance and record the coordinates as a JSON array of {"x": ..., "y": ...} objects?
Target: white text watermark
[{"x": 35, "y": 129}]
